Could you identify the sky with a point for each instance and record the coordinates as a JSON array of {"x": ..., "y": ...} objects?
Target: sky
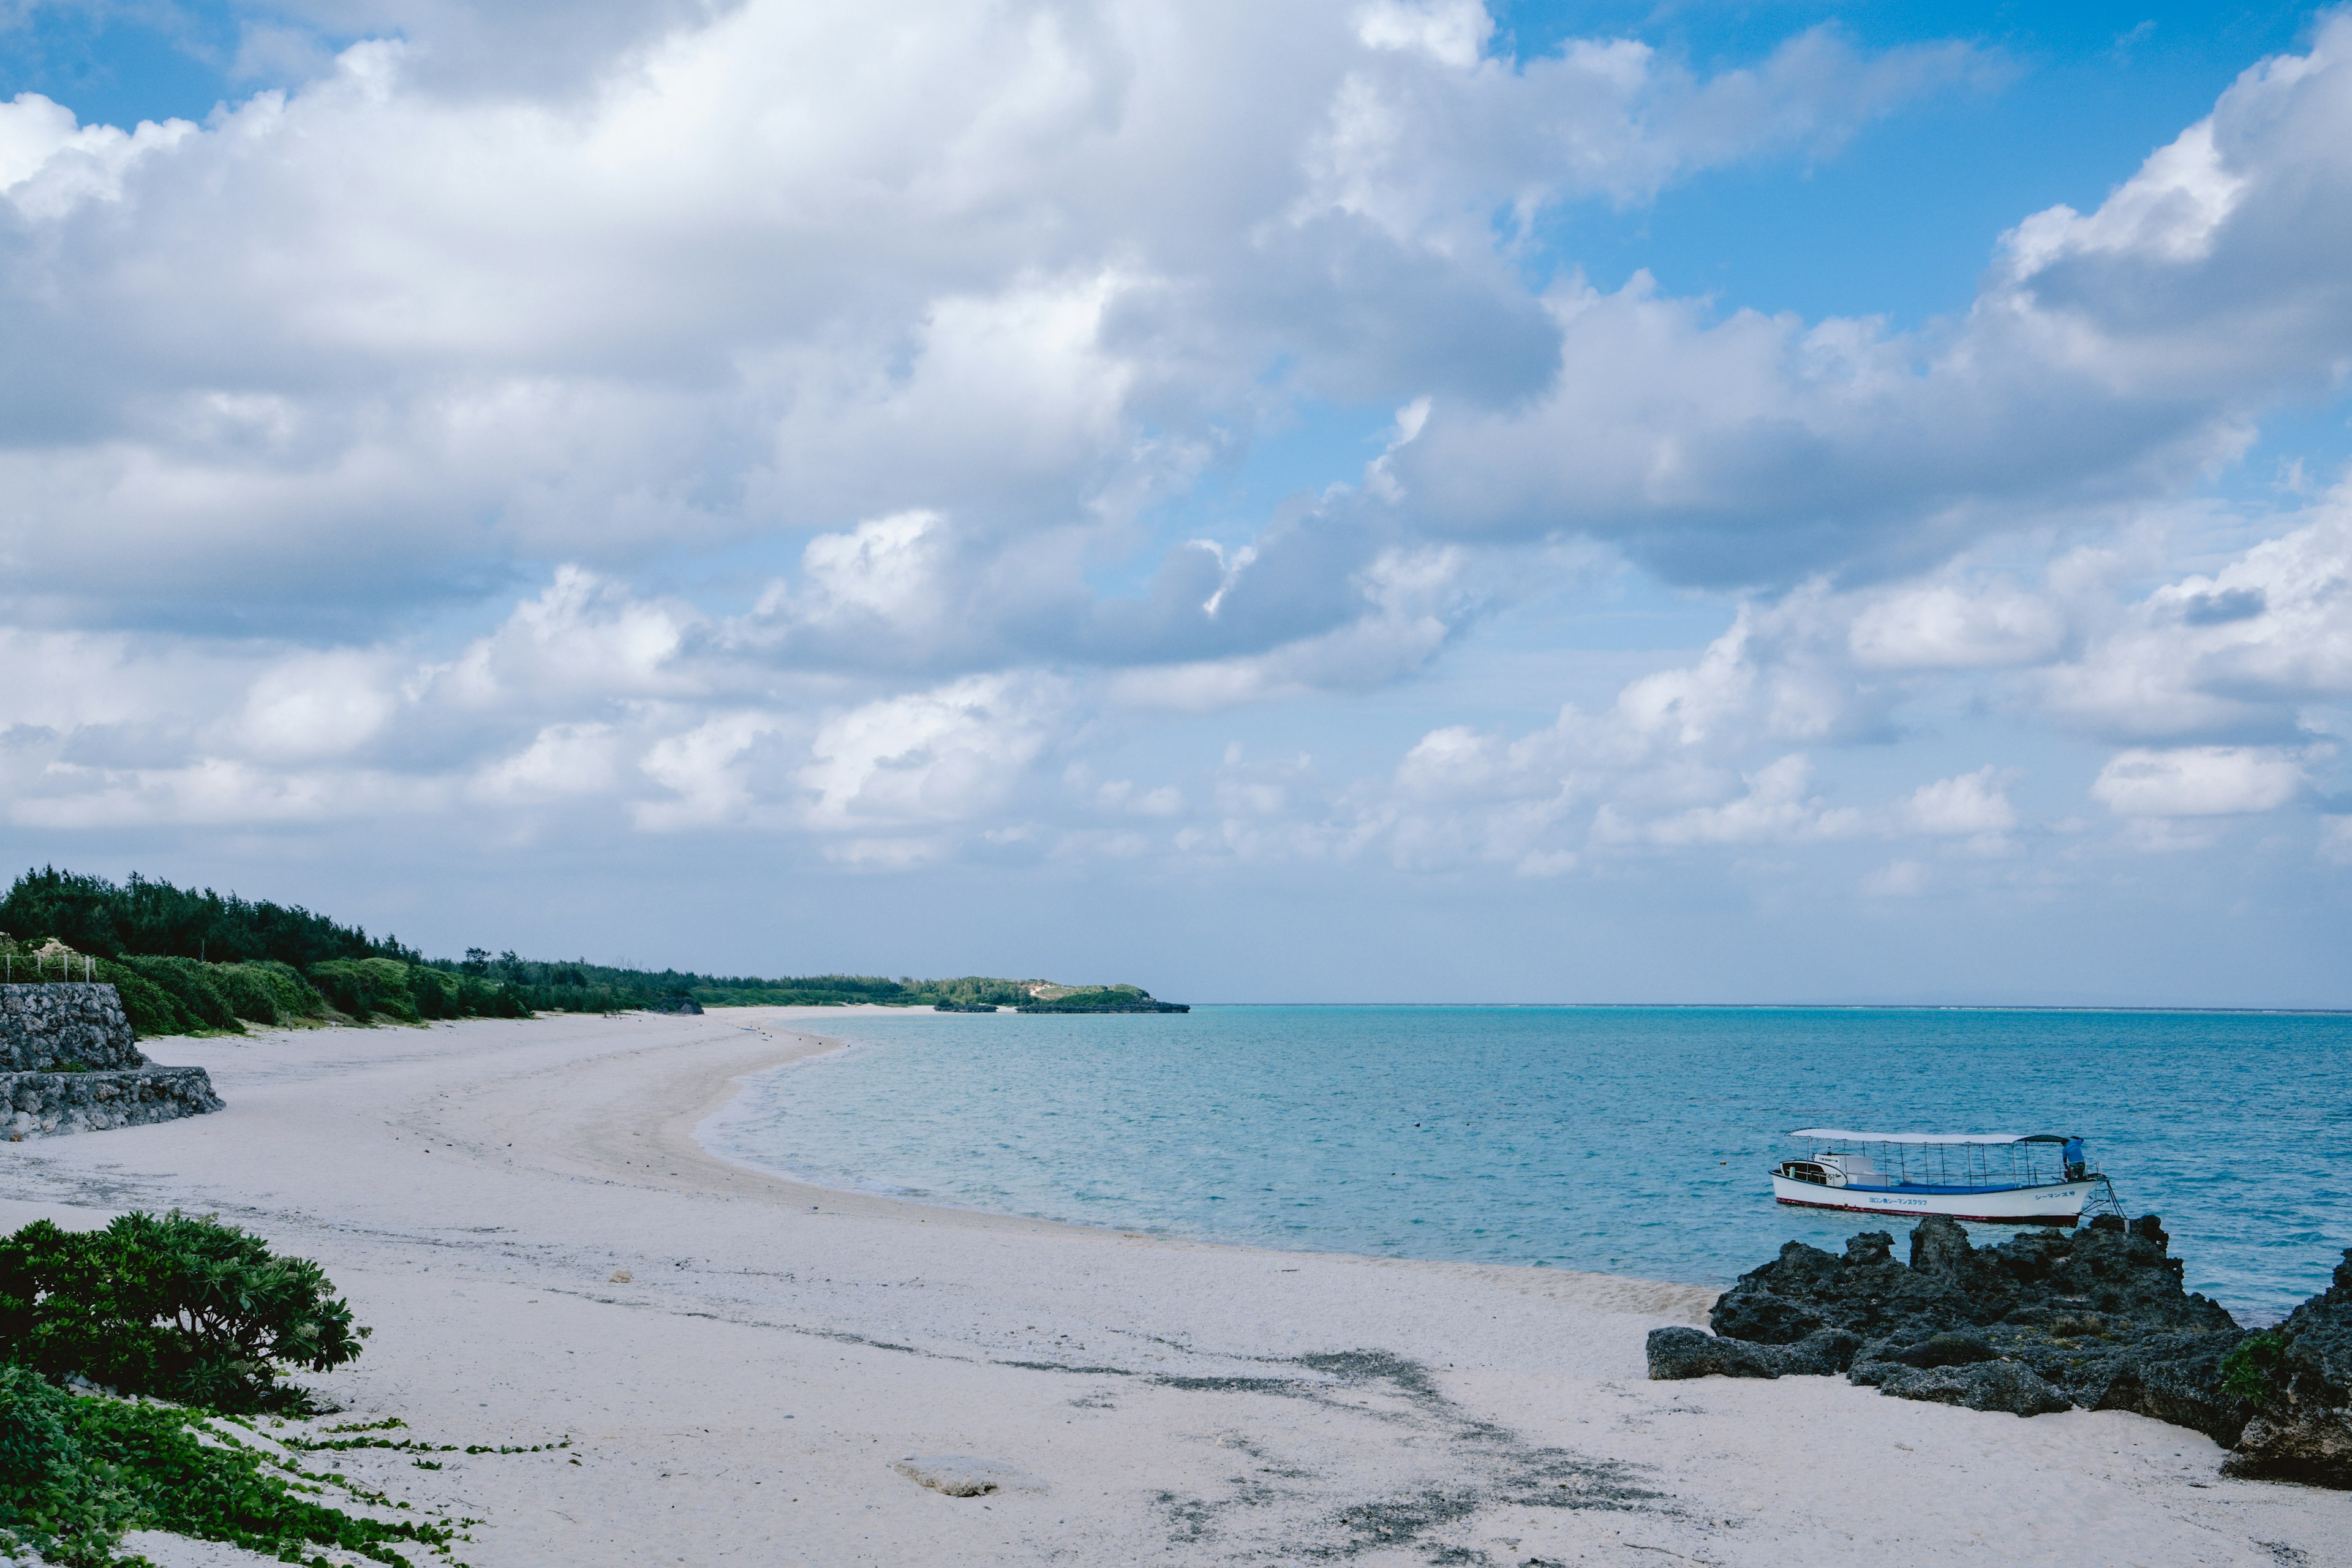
[{"x": 1378, "y": 500}]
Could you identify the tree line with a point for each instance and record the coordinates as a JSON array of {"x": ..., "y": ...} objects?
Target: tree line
[{"x": 188, "y": 960}]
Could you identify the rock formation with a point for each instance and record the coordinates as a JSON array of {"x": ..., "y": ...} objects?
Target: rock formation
[
  {"x": 2302, "y": 1429},
  {"x": 2051, "y": 1319},
  {"x": 68, "y": 1063}
]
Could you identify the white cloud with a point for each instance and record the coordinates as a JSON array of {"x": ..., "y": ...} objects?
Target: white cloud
[
  {"x": 49, "y": 164},
  {"x": 2236, "y": 651},
  {"x": 1968, "y": 803},
  {"x": 370, "y": 340},
  {"x": 1779, "y": 806},
  {"x": 1946, "y": 626},
  {"x": 495, "y": 409},
  {"x": 703, "y": 769},
  {"x": 2110, "y": 357},
  {"x": 1451, "y": 32},
  {"x": 582, "y": 636},
  {"x": 2198, "y": 781},
  {"x": 562, "y": 761},
  {"x": 928, "y": 758},
  {"x": 2335, "y": 840},
  {"x": 318, "y": 705}
]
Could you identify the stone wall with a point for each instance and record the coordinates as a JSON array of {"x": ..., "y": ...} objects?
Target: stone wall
[
  {"x": 68, "y": 1063},
  {"x": 35, "y": 1104},
  {"x": 45, "y": 1028}
]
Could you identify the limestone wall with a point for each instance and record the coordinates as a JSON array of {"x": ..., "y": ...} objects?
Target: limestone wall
[
  {"x": 35, "y": 1104},
  {"x": 68, "y": 1063},
  {"x": 43, "y": 1028}
]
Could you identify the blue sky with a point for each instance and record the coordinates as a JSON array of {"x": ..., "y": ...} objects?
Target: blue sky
[{"x": 1387, "y": 501}]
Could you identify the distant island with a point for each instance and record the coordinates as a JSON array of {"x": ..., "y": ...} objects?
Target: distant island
[
  {"x": 1049, "y": 998},
  {"x": 186, "y": 961}
]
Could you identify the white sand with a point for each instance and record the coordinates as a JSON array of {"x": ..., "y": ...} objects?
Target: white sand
[{"x": 778, "y": 1349}]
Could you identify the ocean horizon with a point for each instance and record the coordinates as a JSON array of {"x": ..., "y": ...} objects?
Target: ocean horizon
[{"x": 1614, "y": 1138}]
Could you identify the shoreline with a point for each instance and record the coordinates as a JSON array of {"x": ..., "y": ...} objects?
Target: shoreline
[
  {"x": 682, "y": 1135},
  {"x": 521, "y": 1212}
]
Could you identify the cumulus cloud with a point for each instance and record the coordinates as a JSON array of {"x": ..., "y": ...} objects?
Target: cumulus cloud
[
  {"x": 368, "y": 343},
  {"x": 754, "y": 420},
  {"x": 1968, "y": 804},
  {"x": 2110, "y": 356},
  {"x": 2198, "y": 781},
  {"x": 2236, "y": 653},
  {"x": 51, "y": 164}
]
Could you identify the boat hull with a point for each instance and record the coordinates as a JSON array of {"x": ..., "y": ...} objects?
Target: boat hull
[{"x": 2055, "y": 1203}]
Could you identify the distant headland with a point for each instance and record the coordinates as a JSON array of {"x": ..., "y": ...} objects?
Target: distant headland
[{"x": 191, "y": 962}]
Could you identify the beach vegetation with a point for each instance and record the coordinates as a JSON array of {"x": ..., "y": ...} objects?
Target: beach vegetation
[
  {"x": 174, "y": 1306},
  {"x": 108, "y": 919},
  {"x": 366, "y": 988},
  {"x": 195, "y": 988},
  {"x": 2251, "y": 1370},
  {"x": 79, "y": 1471},
  {"x": 147, "y": 1006}
]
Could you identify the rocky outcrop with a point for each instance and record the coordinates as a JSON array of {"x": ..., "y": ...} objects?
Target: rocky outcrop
[
  {"x": 1685, "y": 1353},
  {"x": 2301, "y": 1430},
  {"x": 70, "y": 1065},
  {"x": 2049, "y": 1321},
  {"x": 2094, "y": 1319}
]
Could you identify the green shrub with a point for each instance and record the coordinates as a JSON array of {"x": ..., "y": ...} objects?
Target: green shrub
[
  {"x": 182, "y": 1308},
  {"x": 296, "y": 997},
  {"x": 150, "y": 1009},
  {"x": 194, "y": 988},
  {"x": 364, "y": 987},
  {"x": 76, "y": 1473},
  {"x": 53, "y": 1495},
  {"x": 434, "y": 992},
  {"x": 2251, "y": 1369},
  {"x": 250, "y": 996}
]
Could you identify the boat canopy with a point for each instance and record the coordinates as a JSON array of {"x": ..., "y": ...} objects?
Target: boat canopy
[{"x": 1839, "y": 1135}]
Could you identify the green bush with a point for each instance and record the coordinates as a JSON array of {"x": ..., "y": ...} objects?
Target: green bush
[
  {"x": 77, "y": 1473},
  {"x": 178, "y": 1307},
  {"x": 53, "y": 1495},
  {"x": 434, "y": 992},
  {"x": 250, "y": 996},
  {"x": 364, "y": 987},
  {"x": 150, "y": 1009},
  {"x": 2251, "y": 1369},
  {"x": 296, "y": 997},
  {"x": 194, "y": 988}
]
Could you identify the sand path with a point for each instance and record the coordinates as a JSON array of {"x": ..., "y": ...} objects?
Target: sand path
[{"x": 741, "y": 1398}]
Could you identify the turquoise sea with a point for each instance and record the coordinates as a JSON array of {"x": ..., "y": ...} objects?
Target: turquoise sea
[{"x": 1624, "y": 1140}]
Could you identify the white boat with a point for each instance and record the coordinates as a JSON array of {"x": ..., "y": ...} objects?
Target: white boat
[{"x": 2014, "y": 1178}]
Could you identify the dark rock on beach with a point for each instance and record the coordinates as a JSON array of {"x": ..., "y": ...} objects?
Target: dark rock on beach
[
  {"x": 2051, "y": 1320},
  {"x": 2048, "y": 1320},
  {"x": 1685, "y": 1353},
  {"x": 2301, "y": 1430},
  {"x": 1991, "y": 1385}
]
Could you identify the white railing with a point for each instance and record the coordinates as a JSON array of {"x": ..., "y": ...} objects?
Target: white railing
[{"x": 41, "y": 967}]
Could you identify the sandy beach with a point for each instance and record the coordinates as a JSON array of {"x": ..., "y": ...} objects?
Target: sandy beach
[{"x": 521, "y": 1212}]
